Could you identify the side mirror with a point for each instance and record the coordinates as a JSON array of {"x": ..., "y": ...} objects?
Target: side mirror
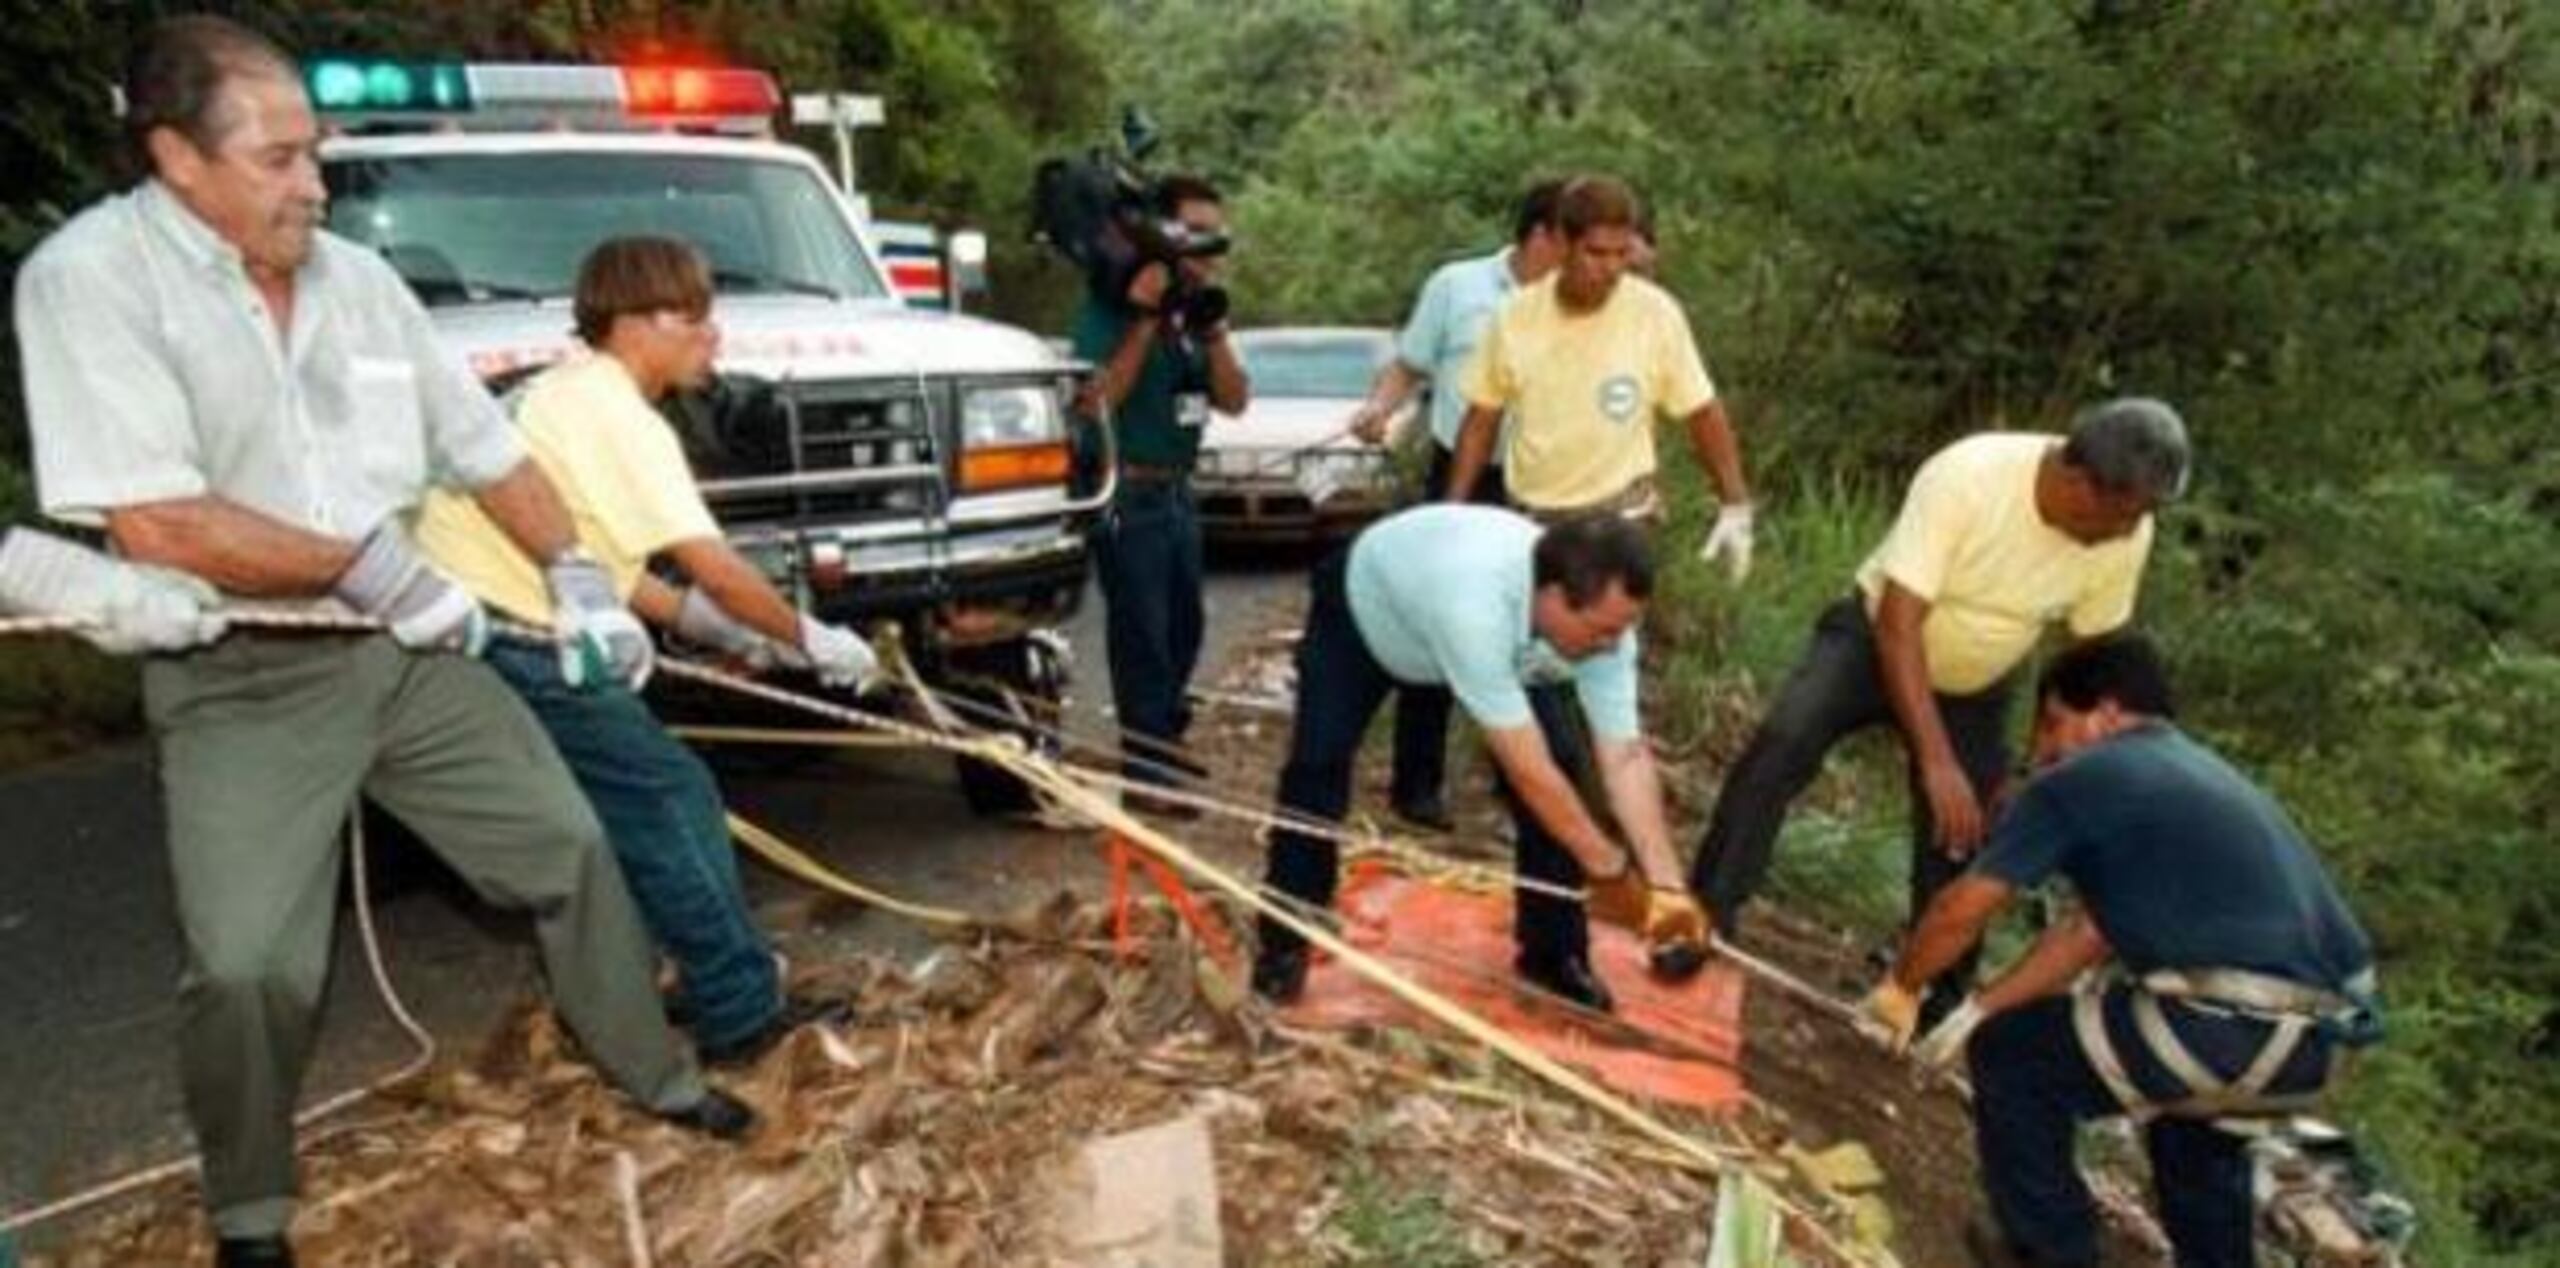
[{"x": 965, "y": 258}]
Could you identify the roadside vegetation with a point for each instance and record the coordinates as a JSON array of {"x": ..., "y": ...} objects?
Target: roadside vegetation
[{"x": 2325, "y": 231}]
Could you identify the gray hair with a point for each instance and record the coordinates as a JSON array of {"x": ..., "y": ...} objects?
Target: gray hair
[
  {"x": 2132, "y": 444},
  {"x": 176, "y": 76}
]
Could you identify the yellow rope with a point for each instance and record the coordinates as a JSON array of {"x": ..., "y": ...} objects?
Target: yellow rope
[
  {"x": 789, "y": 858},
  {"x": 1067, "y": 787}
]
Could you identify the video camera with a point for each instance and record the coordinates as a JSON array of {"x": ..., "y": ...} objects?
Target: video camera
[{"x": 1110, "y": 218}]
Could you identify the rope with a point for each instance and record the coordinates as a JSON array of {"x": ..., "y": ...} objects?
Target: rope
[
  {"x": 423, "y": 1057},
  {"x": 782, "y": 854},
  {"x": 1077, "y": 790}
]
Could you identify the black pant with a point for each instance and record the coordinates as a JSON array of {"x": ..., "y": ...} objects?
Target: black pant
[
  {"x": 1340, "y": 686},
  {"x": 1147, "y": 554},
  {"x": 1836, "y": 690},
  {"x": 2033, "y": 1086},
  {"x": 1422, "y": 712}
]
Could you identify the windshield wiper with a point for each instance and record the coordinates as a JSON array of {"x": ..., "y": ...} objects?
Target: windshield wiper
[{"x": 723, "y": 279}]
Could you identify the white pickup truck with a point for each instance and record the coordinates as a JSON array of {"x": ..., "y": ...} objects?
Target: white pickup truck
[{"x": 878, "y": 461}]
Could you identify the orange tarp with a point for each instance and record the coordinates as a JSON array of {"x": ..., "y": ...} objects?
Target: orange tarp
[{"x": 1680, "y": 1043}]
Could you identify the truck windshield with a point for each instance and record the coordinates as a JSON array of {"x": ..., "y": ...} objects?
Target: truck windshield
[{"x": 468, "y": 228}]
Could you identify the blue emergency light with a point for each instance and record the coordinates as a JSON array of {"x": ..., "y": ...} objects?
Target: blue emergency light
[{"x": 388, "y": 87}]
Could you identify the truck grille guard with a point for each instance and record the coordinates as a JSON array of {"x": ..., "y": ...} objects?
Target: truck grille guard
[{"x": 838, "y": 491}]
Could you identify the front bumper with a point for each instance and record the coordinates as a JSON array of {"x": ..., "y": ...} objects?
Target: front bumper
[{"x": 1250, "y": 496}]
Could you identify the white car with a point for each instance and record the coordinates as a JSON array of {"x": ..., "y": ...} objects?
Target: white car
[{"x": 1288, "y": 469}]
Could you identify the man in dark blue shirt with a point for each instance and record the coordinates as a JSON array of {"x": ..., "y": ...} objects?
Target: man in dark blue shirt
[{"x": 2241, "y": 972}]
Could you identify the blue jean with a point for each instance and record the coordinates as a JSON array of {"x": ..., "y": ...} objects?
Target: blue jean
[
  {"x": 1422, "y": 710},
  {"x": 1340, "y": 687},
  {"x": 1148, "y": 555},
  {"x": 1835, "y": 691},
  {"x": 663, "y": 816},
  {"x": 2033, "y": 1087}
]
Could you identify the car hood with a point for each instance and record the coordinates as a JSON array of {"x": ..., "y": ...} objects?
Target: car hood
[
  {"x": 1286, "y": 422},
  {"x": 774, "y": 336}
]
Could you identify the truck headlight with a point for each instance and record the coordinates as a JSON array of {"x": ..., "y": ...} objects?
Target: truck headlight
[
  {"x": 1023, "y": 415},
  {"x": 1012, "y": 436}
]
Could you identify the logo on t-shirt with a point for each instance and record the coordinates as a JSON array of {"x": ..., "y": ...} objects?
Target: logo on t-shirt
[{"x": 1619, "y": 397}]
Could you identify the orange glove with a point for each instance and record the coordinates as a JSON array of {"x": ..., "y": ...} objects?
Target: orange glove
[
  {"x": 1676, "y": 932},
  {"x": 1621, "y": 899}
]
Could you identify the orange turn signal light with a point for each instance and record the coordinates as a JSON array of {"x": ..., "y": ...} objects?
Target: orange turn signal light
[{"x": 1012, "y": 466}]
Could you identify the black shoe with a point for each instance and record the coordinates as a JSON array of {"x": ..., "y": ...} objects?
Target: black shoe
[
  {"x": 1280, "y": 973},
  {"x": 717, "y": 1115},
  {"x": 1425, "y": 811},
  {"x": 1569, "y": 978},
  {"x": 253, "y": 1252},
  {"x": 797, "y": 1011}
]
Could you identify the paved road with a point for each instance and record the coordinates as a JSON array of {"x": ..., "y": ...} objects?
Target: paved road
[{"x": 88, "y": 952}]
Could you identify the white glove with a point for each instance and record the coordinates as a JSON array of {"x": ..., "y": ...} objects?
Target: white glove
[
  {"x": 129, "y": 608},
  {"x": 701, "y": 620},
  {"x": 838, "y": 656},
  {"x": 423, "y": 609},
  {"x": 1731, "y": 538},
  {"x": 599, "y": 638},
  {"x": 1944, "y": 1045}
]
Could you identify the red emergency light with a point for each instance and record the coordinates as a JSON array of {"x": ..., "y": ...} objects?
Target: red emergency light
[{"x": 692, "y": 92}]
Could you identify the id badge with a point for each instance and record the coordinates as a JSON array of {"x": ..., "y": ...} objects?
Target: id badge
[{"x": 1191, "y": 409}]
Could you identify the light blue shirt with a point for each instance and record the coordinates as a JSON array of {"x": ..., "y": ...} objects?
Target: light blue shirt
[
  {"x": 1448, "y": 321},
  {"x": 1441, "y": 594}
]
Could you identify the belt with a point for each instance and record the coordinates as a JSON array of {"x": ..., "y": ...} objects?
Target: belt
[
  {"x": 1638, "y": 501},
  {"x": 1150, "y": 473}
]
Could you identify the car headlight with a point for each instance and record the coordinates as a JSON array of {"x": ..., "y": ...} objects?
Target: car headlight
[{"x": 1029, "y": 414}]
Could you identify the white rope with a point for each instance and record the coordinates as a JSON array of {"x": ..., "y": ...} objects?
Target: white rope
[{"x": 423, "y": 1057}]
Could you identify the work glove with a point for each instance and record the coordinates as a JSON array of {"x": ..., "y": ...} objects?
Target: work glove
[
  {"x": 599, "y": 638},
  {"x": 1675, "y": 934},
  {"x": 1730, "y": 539},
  {"x": 127, "y": 608},
  {"x": 839, "y": 656},
  {"x": 1890, "y": 1013},
  {"x": 421, "y": 608},
  {"x": 1944, "y": 1045},
  {"x": 1620, "y": 898},
  {"x": 702, "y": 621}
]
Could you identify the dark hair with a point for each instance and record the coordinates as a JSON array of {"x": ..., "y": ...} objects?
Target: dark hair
[
  {"x": 1590, "y": 202},
  {"x": 635, "y": 275},
  {"x": 2131, "y": 445},
  {"x": 1537, "y": 210},
  {"x": 2123, "y": 667},
  {"x": 1584, "y": 553},
  {"x": 176, "y": 75},
  {"x": 1179, "y": 188}
]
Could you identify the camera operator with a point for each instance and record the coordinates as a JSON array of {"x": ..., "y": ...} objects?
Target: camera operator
[{"x": 1164, "y": 362}]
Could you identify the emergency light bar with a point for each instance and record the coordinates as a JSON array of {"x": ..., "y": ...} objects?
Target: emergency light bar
[{"x": 528, "y": 94}]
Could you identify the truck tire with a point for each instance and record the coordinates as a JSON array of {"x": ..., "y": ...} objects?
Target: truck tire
[{"x": 1024, "y": 679}]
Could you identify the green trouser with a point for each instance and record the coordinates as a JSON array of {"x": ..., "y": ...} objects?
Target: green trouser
[{"x": 265, "y": 742}]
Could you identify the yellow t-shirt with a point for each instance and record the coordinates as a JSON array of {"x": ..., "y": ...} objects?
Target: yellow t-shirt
[
  {"x": 1585, "y": 389},
  {"x": 619, "y": 468},
  {"x": 1969, "y": 541}
]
